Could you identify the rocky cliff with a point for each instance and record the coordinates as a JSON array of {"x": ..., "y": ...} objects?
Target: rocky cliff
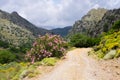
[
  {"x": 96, "y": 22},
  {"x": 104, "y": 25},
  {"x": 88, "y": 22}
]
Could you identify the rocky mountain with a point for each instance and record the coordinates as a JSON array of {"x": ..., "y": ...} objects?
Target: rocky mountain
[
  {"x": 14, "y": 34},
  {"x": 16, "y": 30},
  {"x": 109, "y": 18},
  {"x": 15, "y": 18},
  {"x": 88, "y": 22},
  {"x": 61, "y": 31}
]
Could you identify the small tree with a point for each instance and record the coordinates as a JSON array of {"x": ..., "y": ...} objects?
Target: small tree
[
  {"x": 105, "y": 27},
  {"x": 116, "y": 25},
  {"x": 6, "y": 56}
]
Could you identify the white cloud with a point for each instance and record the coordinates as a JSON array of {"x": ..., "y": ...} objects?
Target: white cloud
[{"x": 55, "y": 12}]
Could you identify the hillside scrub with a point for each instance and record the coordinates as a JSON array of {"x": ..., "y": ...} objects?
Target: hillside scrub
[
  {"x": 115, "y": 28},
  {"x": 10, "y": 53},
  {"x": 18, "y": 71},
  {"x": 116, "y": 25},
  {"x": 80, "y": 40},
  {"x": 109, "y": 46},
  {"x": 4, "y": 44},
  {"x": 6, "y": 56},
  {"x": 46, "y": 46}
]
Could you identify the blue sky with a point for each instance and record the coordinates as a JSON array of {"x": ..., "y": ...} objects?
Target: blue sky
[{"x": 55, "y": 13}]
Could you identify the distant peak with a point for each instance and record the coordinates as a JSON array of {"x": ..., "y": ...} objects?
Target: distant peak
[
  {"x": 98, "y": 9},
  {"x": 14, "y": 13},
  {"x": 1, "y": 11}
]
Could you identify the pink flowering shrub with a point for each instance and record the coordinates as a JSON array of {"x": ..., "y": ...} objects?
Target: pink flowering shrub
[{"x": 46, "y": 46}]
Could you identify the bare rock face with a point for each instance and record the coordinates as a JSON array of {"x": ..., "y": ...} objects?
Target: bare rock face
[
  {"x": 96, "y": 22},
  {"x": 88, "y": 22},
  {"x": 109, "y": 18}
]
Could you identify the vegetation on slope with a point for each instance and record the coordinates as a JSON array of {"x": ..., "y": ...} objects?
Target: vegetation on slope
[
  {"x": 16, "y": 38},
  {"x": 15, "y": 18},
  {"x": 109, "y": 46},
  {"x": 80, "y": 40},
  {"x": 14, "y": 34},
  {"x": 45, "y": 52},
  {"x": 18, "y": 71},
  {"x": 6, "y": 56}
]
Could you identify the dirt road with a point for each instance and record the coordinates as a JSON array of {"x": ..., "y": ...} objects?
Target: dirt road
[{"x": 73, "y": 68}]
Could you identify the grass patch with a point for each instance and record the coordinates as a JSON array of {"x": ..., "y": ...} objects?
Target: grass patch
[
  {"x": 18, "y": 71},
  {"x": 49, "y": 61}
]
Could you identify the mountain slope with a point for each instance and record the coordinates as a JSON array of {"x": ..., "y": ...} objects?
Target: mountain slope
[
  {"x": 15, "y": 18},
  {"x": 61, "y": 31},
  {"x": 14, "y": 34},
  {"x": 88, "y": 22},
  {"x": 16, "y": 30},
  {"x": 96, "y": 22},
  {"x": 110, "y": 17}
]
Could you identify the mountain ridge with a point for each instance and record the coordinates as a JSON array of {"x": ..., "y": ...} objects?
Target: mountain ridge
[
  {"x": 106, "y": 23},
  {"x": 95, "y": 22},
  {"x": 16, "y": 30},
  {"x": 15, "y": 18},
  {"x": 88, "y": 22},
  {"x": 61, "y": 31}
]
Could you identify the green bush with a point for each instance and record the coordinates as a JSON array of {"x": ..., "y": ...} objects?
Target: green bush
[
  {"x": 80, "y": 40},
  {"x": 115, "y": 28},
  {"x": 116, "y": 25},
  {"x": 14, "y": 49},
  {"x": 21, "y": 48},
  {"x": 6, "y": 56},
  {"x": 105, "y": 27},
  {"x": 4, "y": 44}
]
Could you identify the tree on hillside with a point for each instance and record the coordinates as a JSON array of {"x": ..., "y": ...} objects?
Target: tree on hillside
[{"x": 116, "y": 25}]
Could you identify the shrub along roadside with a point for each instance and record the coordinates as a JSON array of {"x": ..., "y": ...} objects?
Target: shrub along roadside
[
  {"x": 80, "y": 40},
  {"x": 109, "y": 46},
  {"x": 46, "y": 46},
  {"x": 18, "y": 71},
  {"x": 6, "y": 56}
]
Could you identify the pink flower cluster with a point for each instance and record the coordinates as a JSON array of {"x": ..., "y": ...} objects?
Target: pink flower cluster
[{"x": 46, "y": 46}]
